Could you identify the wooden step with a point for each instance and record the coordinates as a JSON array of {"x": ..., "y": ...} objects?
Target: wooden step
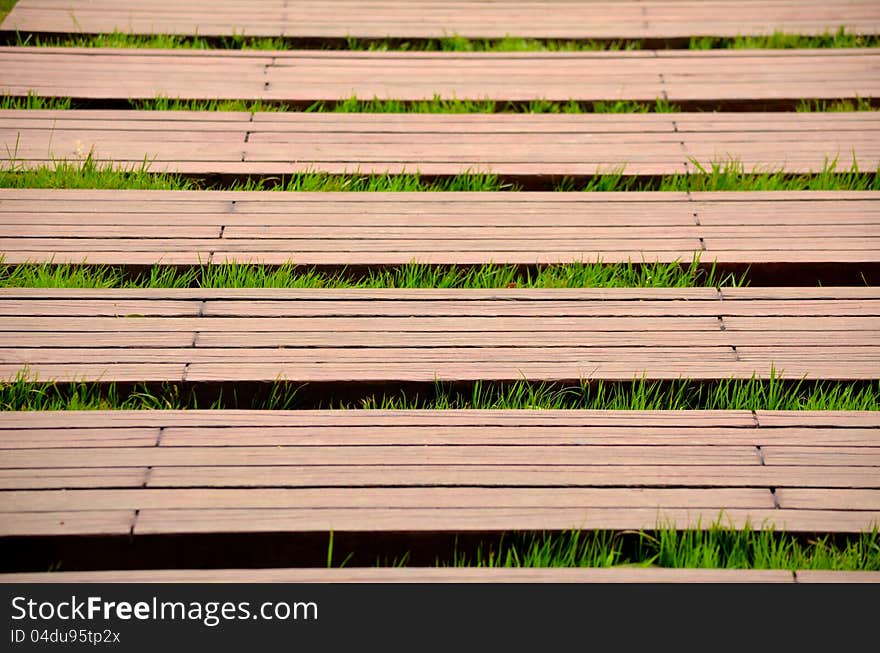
[
  {"x": 305, "y": 76},
  {"x": 201, "y": 471},
  {"x": 526, "y": 145},
  {"x": 395, "y": 335},
  {"x": 627, "y": 19},
  {"x": 338, "y": 229}
]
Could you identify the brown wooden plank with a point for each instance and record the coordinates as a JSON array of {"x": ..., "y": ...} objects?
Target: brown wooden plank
[
  {"x": 424, "y": 335},
  {"x": 504, "y": 144},
  {"x": 492, "y": 476},
  {"x": 156, "y": 521},
  {"x": 823, "y": 576},
  {"x": 806, "y": 498},
  {"x": 404, "y": 498},
  {"x": 433, "y": 575},
  {"x": 316, "y": 75},
  {"x": 395, "y": 18},
  {"x": 409, "y": 226}
]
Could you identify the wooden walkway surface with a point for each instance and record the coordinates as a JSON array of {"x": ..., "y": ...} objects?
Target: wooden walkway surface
[
  {"x": 304, "y": 76},
  {"x": 336, "y": 229},
  {"x": 570, "y": 19},
  {"x": 175, "y": 472},
  {"x": 449, "y": 575},
  {"x": 395, "y": 335},
  {"x": 440, "y": 144}
]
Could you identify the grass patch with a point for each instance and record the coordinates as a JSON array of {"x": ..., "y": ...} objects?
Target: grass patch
[
  {"x": 778, "y": 40},
  {"x": 29, "y": 393},
  {"x": 859, "y": 104},
  {"x": 714, "y": 176},
  {"x": 414, "y": 275},
  {"x": 440, "y": 105},
  {"x": 718, "y": 547},
  {"x": 781, "y": 41},
  {"x": 353, "y": 104},
  {"x": 5, "y": 7}
]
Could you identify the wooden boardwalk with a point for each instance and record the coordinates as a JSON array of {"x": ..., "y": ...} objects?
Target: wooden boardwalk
[
  {"x": 568, "y": 19},
  {"x": 706, "y": 77},
  {"x": 115, "y": 489},
  {"x": 398, "y": 335},
  {"x": 338, "y": 229},
  {"x": 449, "y": 575},
  {"x": 183, "y": 472},
  {"x": 440, "y": 144}
]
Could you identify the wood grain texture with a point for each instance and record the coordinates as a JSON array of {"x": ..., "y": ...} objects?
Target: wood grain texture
[
  {"x": 436, "y": 144},
  {"x": 206, "y": 471},
  {"x": 439, "y": 575},
  {"x": 424, "y": 335},
  {"x": 594, "y": 19},
  {"x": 312, "y": 75},
  {"x": 126, "y": 227}
]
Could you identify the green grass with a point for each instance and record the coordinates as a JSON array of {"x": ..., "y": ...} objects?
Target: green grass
[
  {"x": 414, "y": 275},
  {"x": 455, "y": 43},
  {"x": 5, "y": 7},
  {"x": 729, "y": 394},
  {"x": 859, "y": 104},
  {"x": 782, "y": 41},
  {"x": 435, "y": 104},
  {"x": 440, "y": 105},
  {"x": 27, "y": 392},
  {"x": 718, "y": 547},
  {"x": 714, "y": 176}
]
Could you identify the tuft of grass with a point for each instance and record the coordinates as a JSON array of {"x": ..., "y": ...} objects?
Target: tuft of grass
[
  {"x": 162, "y": 103},
  {"x": 413, "y": 275},
  {"x": 731, "y": 175},
  {"x": 90, "y": 173},
  {"x": 441, "y": 105},
  {"x": 33, "y": 101},
  {"x": 27, "y": 392},
  {"x": 718, "y": 547},
  {"x": 859, "y": 104},
  {"x": 727, "y": 175},
  {"x": 453, "y": 43},
  {"x": 779, "y": 40},
  {"x": 772, "y": 393},
  {"x": 353, "y": 104}
]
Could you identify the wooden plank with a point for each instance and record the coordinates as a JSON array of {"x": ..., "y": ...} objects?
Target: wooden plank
[
  {"x": 431, "y": 575},
  {"x": 312, "y": 75},
  {"x": 514, "y": 144},
  {"x": 404, "y": 498},
  {"x": 823, "y": 576},
  {"x": 402, "y": 227},
  {"x": 657, "y": 19},
  {"x": 425, "y": 335},
  {"x": 157, "y": 521}
]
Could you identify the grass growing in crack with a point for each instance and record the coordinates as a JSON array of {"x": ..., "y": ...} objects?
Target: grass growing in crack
[
  {"x": 713, "y": 176},
  {"x": 413, "y": 275},
  {"x": 441, "y": 105},
  {"x": 782, "y": 41},
  {"x": 353, "y": 104},
  {"x": 772, "y": 393},
  {"x": 27, "y": 392},
  {"x": 859, "y": 104},
  {"x": 455, "y": 43},
  {"x": 91, "y": 173},
  {"x": 718, "y": 547},
  {"x": 31, "y": 101}
]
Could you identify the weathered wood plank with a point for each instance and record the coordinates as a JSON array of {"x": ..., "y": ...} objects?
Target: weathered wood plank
[{"x": 656, "y": 19}]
